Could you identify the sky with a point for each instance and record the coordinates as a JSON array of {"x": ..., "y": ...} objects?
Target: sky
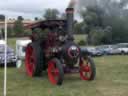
[{"x": 30, "y": 8}]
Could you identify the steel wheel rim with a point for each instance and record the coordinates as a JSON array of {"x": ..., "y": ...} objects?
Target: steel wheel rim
[
  {"x": 53, "y": 72},
  {"x": 85, "y": 69},
  {"x": 30, "y": 61}
]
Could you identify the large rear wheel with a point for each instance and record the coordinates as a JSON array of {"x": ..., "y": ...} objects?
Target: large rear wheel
[
  {"x": 34, "y": 60},
  {"x": 87, "y": 68},
  {"x": 55, "y": 72}
]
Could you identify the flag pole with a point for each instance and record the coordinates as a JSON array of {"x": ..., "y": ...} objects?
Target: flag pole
[{"x": 5, "y": 56}]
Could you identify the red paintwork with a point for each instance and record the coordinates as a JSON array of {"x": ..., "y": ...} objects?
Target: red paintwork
[
  {"x": 53, "y": 72},
  {"x": 30, "y": 61},
  {"x": 50, "y": 43},
  {"x": 85, "y": 71}
]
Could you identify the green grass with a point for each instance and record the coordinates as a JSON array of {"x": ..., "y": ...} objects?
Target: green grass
[
  {"x": 80, "y": 37},
  {"x": 11, "y": 42},
  {"x": 111, "y": 80}
]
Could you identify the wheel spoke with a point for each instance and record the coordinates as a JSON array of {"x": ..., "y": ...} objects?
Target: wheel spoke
[
  {"x": 56, "y": 72},
  {"x": 85, "y": 69}
]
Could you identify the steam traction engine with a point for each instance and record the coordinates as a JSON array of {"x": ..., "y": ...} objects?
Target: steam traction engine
[{"x": 56, "y": 52}]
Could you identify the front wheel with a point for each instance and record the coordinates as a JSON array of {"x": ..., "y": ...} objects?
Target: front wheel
[
  {"x": 87, "y": 68},
  {"x": 55, "y": 72}
]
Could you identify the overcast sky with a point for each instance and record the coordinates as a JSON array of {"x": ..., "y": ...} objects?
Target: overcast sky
[{"x": 30, "y": 8}]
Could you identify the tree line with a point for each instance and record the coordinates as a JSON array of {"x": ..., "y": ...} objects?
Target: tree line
[{"x": 105, "y": 22}]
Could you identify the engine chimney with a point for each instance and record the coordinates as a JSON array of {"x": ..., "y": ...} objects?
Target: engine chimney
[{"x": 70, "y": 21}]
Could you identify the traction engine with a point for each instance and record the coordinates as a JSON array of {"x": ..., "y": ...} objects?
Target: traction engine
[{"x": 56, "y": 52}]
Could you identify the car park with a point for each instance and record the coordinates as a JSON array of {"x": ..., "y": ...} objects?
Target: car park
[{"x": 115, "y": 49}]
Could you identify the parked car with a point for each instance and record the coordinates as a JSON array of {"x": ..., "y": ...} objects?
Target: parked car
[
  {"x": 105, "y": 49},
  {"x": 123, "y": 47},
  {"x": 114, "y": 51},
  {"x": 92, "y": 51},
  {"x": 109, "y": 49},
  {"x": 11, "y": 57}
]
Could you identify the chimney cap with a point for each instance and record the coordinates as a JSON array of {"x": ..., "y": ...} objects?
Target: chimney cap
[{"x": 69, "y": 9}]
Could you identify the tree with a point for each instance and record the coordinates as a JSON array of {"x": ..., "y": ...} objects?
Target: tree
[
  {"x": 18, "y": 27},
  {"x": 63, "y": 16},
  {"x": 51, "y": 14},
  {"x": 92, "y": 21},
  {"x": 107, "y": 35},
  {"x": 2, "y": 17},
  {"x": 20, "y": 18},
  {"x": 2, "y": 33},
  {"x": 111, "y": 16},
  {"x": 36, "y": 18},
  {"x": 96, "y": 36},
  {"x": 11, "y": 32},
  {"x": 80, "y": 28},
  {"x": 27, "y": 32}
]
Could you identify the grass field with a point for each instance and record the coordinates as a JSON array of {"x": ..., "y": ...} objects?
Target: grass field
[
  {"x": 111, "y": 80},
  {"x": 11, "y": 42}
]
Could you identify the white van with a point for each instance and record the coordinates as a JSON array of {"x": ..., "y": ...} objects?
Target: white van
[{"x": 21, "y": 44}]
